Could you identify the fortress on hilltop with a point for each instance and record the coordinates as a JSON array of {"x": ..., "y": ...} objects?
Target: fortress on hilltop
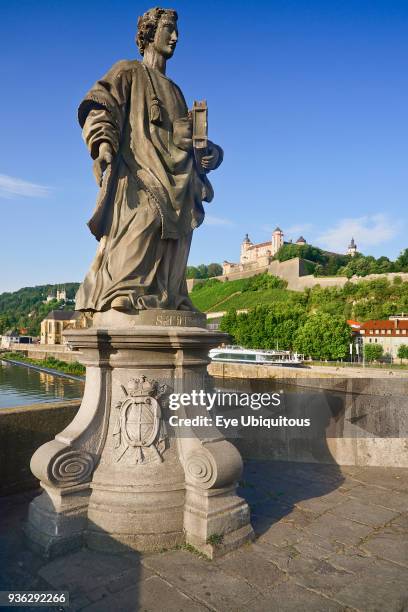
[
  {"x": 260, "y": 258},
  {"x": 258, "y": 255}
]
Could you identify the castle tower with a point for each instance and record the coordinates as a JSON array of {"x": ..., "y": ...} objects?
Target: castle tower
[
  {"x": 301, "y": 241},
  {"x": 352, "y": 248},
  {"x": 277, "y": 240},
  {"x": 246, "y": 243}
]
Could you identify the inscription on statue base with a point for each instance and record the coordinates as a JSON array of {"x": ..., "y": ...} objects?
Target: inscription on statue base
[{"x": 155, "y": 317}]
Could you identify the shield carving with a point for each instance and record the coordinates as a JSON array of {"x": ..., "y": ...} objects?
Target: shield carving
[{"x": 139, "y": 433}]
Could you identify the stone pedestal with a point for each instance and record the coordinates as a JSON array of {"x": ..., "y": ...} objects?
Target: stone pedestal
[{"x": 119, "y": 477}]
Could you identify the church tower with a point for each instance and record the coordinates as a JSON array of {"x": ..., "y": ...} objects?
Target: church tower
[
  {"x": 246, "y": 243},
  {"x": 277, "y": 240},
  {"x": 352, "y": 248},
  {"x": 61, "y": 295}
]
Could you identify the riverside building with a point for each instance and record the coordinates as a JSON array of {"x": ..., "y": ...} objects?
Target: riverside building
[{"x": 389, "y": 333}]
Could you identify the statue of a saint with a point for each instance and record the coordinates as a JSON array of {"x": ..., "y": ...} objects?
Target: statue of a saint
[{"x": 138, "y": 129}]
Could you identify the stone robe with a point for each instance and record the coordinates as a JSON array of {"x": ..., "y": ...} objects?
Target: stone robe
[{"x": 151, "y": 197}]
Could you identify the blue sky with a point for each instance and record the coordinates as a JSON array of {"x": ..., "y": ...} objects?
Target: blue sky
[{"x": 308, "y": 98}]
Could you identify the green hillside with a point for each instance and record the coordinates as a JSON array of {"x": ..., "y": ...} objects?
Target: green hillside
[
  {"x": 312, "y": 322},
  {"x": 375, "y": 299},
  {"x": 25, "y": 308},
  {"x": 214, "y": 296}
]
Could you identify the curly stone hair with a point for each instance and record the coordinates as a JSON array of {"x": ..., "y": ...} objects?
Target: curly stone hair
[{"x": 147, "y": 25}]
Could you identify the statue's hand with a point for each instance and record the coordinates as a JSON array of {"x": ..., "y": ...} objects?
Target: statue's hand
[
  {"x": 183, "y": 133},
  {"x": 210, "y": 160},
  {"x": 102, "y": 161}
]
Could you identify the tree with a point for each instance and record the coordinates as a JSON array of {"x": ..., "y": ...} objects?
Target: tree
[
  {"x": 402, "y": 261},
  {"x": 373, "y": 352},
  {"x": 5, "y": 323},
  {"x": 265, "y": 327},
  {"x": 323, "y": 336},
  {"x": 361, "y": 265},
  {"x": 306, "y": 251},
  {"x": 332, "y": 265},
  {"x": 403, "y": 351},
  {"x": 204, "y": 271},
  {"x": 317, "y": 262},
  {"x": 214, "y": 269},
  {"x": 384, "y": 264},
  {"x": 228, "y": 323},
  {"x": 192, "y": 272},
  {"x": 26, "y": 309}
]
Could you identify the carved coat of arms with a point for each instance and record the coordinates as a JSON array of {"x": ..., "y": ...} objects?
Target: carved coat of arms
[{"x": 139, "y": 433}]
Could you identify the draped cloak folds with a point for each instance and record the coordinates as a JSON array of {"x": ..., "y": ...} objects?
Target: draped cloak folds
[{"x": 151, "y": 196}]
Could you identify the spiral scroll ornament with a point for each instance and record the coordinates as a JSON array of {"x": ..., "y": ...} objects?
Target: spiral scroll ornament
[
  {"x": 71, "y": 467},
  {"x": 200, "y": 470}
]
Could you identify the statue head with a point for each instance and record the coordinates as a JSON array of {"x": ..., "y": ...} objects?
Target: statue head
[{"x": 158, "y": 27}]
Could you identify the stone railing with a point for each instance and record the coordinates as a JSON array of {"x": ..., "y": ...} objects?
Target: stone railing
[
  {"x": 358, "y": 416},
  {"x": 22, "y": 430},
  {"x": 42, "y": 351}
]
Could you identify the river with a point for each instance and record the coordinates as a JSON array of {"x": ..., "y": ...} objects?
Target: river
[
  {"x": 21, "y": 385},
  {"x": 374, "y": 407}
]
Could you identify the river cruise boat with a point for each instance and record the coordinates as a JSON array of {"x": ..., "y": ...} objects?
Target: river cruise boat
[{"x": 238, "y": 354}]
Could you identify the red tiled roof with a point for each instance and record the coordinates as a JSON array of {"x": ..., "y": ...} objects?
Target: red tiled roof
[{"x": 385, "y": 326}]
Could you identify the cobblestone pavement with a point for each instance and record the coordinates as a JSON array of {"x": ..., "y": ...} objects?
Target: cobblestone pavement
[{"x": 330, "y": 538}]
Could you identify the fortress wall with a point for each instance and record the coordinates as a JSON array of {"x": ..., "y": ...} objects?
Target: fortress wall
[
  {"x": 389, "y": 275},
  {"x": 289, "y": 270},
  {"x": 305, "y": 282},
  {"x": 246, "y": 272},
  {"x": 294, "y": 272}
]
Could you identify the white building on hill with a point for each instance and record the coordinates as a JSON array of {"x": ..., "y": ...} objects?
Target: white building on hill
[
  {"x": 60, "y": 297},
  {"x": 260, "y": 255}
]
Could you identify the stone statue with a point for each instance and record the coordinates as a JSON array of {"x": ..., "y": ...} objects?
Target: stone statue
[
  {"x": 120, "y": 476},
  {"x": 138, "y": 130}
]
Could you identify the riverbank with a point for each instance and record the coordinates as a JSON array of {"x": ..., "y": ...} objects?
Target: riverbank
[
  {"x": 366, "y": 366},
  {"x": 243, "y": 370},
  {"x": 50, "y": 365},
  {"x": 43, "y": 351}
]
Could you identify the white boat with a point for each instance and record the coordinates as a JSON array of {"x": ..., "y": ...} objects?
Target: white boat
[{"x": 239, "y": 354}]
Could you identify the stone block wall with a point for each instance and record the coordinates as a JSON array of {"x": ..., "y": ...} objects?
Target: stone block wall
[
  {"x": 22, "y": 430},
  {"x": 356, "y": 419},
  {"x": 42, "y": 351}
]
